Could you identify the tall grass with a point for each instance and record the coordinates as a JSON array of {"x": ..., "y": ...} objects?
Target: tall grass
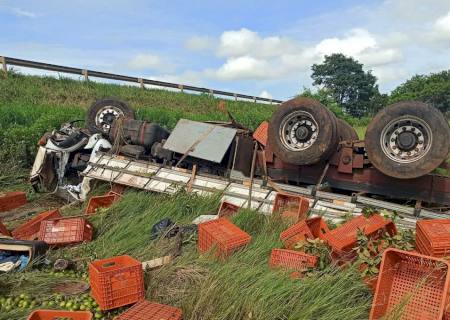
[{"x": 242, "y": 287}]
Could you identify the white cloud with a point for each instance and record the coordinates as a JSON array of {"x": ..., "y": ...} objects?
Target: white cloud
[
  {"x": 199, "y": 43},
  {"x": 252, "y": 57},
  {"x": 236, "y": 43},
  {"x": 241, "y": 68},
  {"x": 442, "y": 26},
  {"x": 355, "y": 42},
  {"x": 265, "y": 94},
  {"x": 144, "y": 61},
  {"x": 23, "y": 13}
]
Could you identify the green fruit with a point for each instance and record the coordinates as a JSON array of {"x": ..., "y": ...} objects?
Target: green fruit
[
  {"x": 62, "y": 304},
  {"x": 82, "y": 307},
  {"x": 51, "y": 303},
  {"x": 8, "y": 308},
  {"x": 98, "y": 316}
]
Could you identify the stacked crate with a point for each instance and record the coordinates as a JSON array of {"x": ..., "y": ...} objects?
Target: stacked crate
[{"x": 433, "y": 237}]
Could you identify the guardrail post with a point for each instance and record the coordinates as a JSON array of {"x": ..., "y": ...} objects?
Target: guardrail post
[
  {"x": 141, "y": 82},
  {"x": 211, "y": 92},
  {"x": 5, "y": 67},
  {"x": 270, "y": 101},
  {"x": 254, "y": 99},
  {"x": 85, "y": 74},
  {"x": 180, "y": 86},
  {"x": 235, "y": 96}
]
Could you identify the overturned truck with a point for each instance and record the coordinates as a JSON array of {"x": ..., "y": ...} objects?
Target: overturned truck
[{"x": 303, "y": 146}]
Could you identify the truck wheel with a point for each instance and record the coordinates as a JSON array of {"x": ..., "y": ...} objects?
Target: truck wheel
[
  {"x": 102, "y": 114},
  {"x": 345, "y": 131},
  {"x": 302, "y": 131},
  {"x": 407, "y": 139}
]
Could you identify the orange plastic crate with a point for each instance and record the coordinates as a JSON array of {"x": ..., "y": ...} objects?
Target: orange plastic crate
[
  {"x": 318, "y": 227},
  {"x": 433, "y": 237},
  {"x": 12, "y": 200},
  {"x": 311, "y": 229},
  {"x": 227, "y": 209},
  {"x": 65, "y": 231},
  {"x": 30, "y": 229},
  {"x": 116, "y": 281},
  {"x": 104, "y": 201},
  {"x": 416, "y": 283},
  {"x": 344, "y": 237},
  {"x": 146, "y": 310},
  {"x": 260, "y": 133},
  {"x": 3, "y": 230},
  {"x": 292, "y": 260},
  {"x": 59, "y": 314},
  {"x": 291, "y": 206},
  {"x": 222, "y": 234}
]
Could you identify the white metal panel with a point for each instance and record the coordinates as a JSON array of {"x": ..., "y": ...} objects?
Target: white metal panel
[{"x": 200, "y": 140}]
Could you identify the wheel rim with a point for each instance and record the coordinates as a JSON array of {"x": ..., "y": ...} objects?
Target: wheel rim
[
  {"x": 298, "y": 131},
  {"x": 406, "y": 139},
  {"x": 106, "y": 115}
]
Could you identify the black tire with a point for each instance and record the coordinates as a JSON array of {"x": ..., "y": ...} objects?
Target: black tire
[
  {"x": 117, "y": 108},
  {"x": 388, "y": 123},
  {"x": 345, "y": 131},
  {"x": 320, "y": 148}
]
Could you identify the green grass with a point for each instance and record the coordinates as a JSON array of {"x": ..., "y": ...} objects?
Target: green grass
[{"x": 243, "y": 287}]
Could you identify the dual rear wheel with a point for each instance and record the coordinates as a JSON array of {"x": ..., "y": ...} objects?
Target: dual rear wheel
[
  {"x": 405, "y": 140},
  {"x": 303, "y": 132}
]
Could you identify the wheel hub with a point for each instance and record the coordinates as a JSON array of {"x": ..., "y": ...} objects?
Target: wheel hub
[
  {"x": 106, "y": 116},
  {"x": 303, "y": 133},
  {"x": 298, "y": 131},
  {"x": 406, "y": 139}
]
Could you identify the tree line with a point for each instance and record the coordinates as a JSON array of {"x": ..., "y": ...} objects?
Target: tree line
[{"x": 344, "y": 86}]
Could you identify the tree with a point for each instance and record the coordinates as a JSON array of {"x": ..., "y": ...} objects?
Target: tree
[
  {"x": 349, "y": 85},
  {"x": 433, "y": 88}
]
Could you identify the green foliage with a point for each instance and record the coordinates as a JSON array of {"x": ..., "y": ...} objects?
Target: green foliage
[
  {"x": 370, "y": 251},
  {"x": 325, "y": 97},
  {"x": 348, "y": 84},
  {"x": 316, "y": 247},
  {"x": 433, "y": 88}
]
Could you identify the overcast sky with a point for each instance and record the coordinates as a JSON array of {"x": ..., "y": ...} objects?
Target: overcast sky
[{"x": 254, "y": 47}]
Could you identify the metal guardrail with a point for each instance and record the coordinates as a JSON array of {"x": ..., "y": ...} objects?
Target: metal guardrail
[{"x": 5, "y": 61}]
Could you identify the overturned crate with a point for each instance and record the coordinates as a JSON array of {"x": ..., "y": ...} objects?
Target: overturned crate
[
  {"x": 59, "y": 314},
  {"x": 30, "y": 229},
  {"x": 292, "y": 260},
  {"x": 344, "y": 238},
  {"x": 227, "y": 209},
  {"x": 411, "y": 286},
  {"x": 291, "y": 207},
  {"x": 151, "y": 311},
  {"x": 12, "y": 200},
  {"x": 104, "y": 201},
  {"x": 222, "y": 236},
  {"x": 308, "y": 229},
  {"x": 65, "y": 231}
]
